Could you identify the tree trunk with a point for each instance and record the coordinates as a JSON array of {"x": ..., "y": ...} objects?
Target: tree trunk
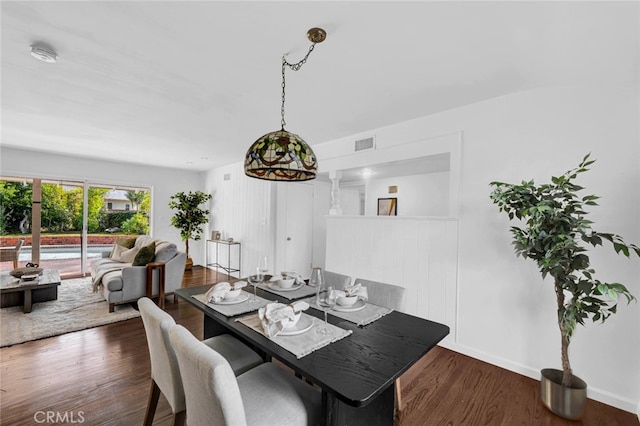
[
  {"x": 186, "y": 245},
  {"x": 566, "y": 366}
]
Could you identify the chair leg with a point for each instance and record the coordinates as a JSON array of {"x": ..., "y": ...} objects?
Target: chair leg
[
  {"x": 112, "y": 307},
  {"x": 154, "y": 395},
  {"x": 179, "y": 418},
  {"x": 15, "y": 264}
]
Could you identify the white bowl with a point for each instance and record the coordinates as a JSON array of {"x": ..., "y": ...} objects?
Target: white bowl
[
  {"x": 347, "y": 300},
  {"x": 291, "y": 323},
  {"x": 232, "y": 294},
  {"x": 286, "y": 283}
]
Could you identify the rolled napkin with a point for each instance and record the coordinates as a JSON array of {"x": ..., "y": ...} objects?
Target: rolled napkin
[
  {"x": 354, "y": 290},
  {"x": 217, "y": 293},
  {"x": 238, "y": 285},
  {"x": 275, "y": 316}
]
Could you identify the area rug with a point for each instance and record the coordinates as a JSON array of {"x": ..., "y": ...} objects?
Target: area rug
[{"x": 77, "y": 308}]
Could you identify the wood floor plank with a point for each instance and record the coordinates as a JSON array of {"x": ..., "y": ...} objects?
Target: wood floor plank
[{"x": 103, "y": 373}]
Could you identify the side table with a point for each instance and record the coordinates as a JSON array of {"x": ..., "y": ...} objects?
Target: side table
[
  {"x": 218, "y": 264},
  {"x": 160, "y": 266}
]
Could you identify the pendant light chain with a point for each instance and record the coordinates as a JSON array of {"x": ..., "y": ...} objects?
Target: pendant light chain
[{"x": 294, "y": 67}]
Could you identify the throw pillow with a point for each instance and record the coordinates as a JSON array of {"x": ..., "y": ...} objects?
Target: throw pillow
[
  {"x": 125, "y": 242},
  {"x": 123, "y": 254},
  {"x": 166, "y": 253},
  {"x": 145, "y": 255}
]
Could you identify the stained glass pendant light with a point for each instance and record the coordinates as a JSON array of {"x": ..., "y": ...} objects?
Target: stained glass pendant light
[{"x": 282, "y": 155}]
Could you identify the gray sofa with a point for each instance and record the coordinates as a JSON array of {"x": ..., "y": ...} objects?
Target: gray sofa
[{"x": 120, "y": 282}]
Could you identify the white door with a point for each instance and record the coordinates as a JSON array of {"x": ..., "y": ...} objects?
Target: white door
[{"x": 294, "y": 227}]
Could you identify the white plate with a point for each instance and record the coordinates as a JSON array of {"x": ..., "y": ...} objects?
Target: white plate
[
  {"x": 304, "y": 324},
  {"x": 276, "y": 287},
  {"x": 358, "y": 306},
  {"x": 29, "y": 277},
  {"x": 239, "y": 299}
]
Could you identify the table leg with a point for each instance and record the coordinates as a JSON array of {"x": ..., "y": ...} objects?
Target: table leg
[
  {"x": 27, "y": 301},
  {"x": 160, "y": 266},
  {"x": 380, "y": 411},
  {"x": 161, "y": 289}
]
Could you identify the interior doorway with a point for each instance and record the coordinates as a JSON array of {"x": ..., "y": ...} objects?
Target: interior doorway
[{"x": 294, "y": 227}]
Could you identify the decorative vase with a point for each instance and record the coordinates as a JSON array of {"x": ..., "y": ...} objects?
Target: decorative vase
[
  {"x": 567, "y": 402},
  {"x": 189, "y": 264}
]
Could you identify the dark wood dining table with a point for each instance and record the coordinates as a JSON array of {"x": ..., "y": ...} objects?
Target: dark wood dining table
[{"x": 357, "y": 373}]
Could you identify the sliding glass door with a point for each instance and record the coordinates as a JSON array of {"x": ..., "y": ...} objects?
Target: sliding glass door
[{"x": 66, "y": 224}]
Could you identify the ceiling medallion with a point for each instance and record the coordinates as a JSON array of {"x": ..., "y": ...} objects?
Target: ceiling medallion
[{"x": 282, "y": 155}]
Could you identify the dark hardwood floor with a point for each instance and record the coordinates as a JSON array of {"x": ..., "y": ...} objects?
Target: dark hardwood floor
[{"x": 100, "y": 376}]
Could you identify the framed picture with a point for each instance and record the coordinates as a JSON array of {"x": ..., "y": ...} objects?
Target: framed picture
[{"x": 387, "y": 206}]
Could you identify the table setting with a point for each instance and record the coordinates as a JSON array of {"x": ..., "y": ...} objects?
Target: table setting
[
  {"x": 230, "y": 299},
  {"x": 351, "y": 304},
  {"x": 292, "y": 329},
  {"x": 289, "y": 285}
]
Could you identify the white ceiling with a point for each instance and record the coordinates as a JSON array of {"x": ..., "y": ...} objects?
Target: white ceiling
[{"x": 192, "y": 84}]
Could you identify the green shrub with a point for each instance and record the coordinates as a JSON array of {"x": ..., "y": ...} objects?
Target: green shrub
[{"x": 137, "y": 224}]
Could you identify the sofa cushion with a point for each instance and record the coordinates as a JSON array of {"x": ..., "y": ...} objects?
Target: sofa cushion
[
  {"x": 165, "y": 252},
  {"x": 144, "y": 240},
  {"x": 145, "y": 255},
  {"x": 123, "y": 254},
  {"x": 113, "y": 281}
]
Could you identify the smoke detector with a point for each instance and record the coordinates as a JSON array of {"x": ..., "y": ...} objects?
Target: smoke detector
[{"x": 43, "y": 53}]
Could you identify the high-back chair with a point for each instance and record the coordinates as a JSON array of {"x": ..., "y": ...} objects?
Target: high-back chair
[
  {"x": 165, "y": 373},
  {"x": 382, "y": 294},
  {"x": 392, "y": 297},
  {"x": 10, "y": 254},
  {"x": 338, "y": 281},
  {"x": 265, "y": 395}
]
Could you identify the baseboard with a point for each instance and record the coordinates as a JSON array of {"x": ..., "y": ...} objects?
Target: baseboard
[{"x": 594, "y": 393}]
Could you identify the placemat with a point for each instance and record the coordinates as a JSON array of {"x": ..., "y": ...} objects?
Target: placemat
[
  {"x": 300, "y": 344},
  {"x": 369, "y": 314},
  {"x": 236, "y": 309},
  {"x": 303, "y": 291}
]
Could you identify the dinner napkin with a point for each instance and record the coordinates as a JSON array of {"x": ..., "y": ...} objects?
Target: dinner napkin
[
  {"x": 354, "y": 290},
  {"x": 275, "y": 316},
  {"x": 220, "y": 290}
]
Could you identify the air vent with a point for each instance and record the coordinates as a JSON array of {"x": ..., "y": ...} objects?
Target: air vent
[
  {"x": 227, "y": 176},
  {"x": 364, "y": 144}
]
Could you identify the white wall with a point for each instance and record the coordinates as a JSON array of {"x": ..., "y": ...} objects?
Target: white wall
[
  {"x": 506, "y": 312},
  {"x": 163, "y": 182},
  {"x": 417, "y": 253},
  {"x": 242, "y": 209},
  {"x": 418, "y": 195}
]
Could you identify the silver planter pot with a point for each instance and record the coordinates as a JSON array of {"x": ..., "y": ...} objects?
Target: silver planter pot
[{"x": 567, "y": 402}]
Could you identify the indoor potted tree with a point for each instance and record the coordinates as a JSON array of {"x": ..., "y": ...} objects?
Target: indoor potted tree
[
  {"x": 554, "y": 235},
  {"x": 189, "y": 217}
]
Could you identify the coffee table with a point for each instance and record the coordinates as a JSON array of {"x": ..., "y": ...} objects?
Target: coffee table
[{"x": 16, "y": 292}]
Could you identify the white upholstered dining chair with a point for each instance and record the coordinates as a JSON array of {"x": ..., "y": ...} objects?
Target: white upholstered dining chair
[
  {"x": 165, "y": 373},
  {"x": 336, "y": 280},
  {"x": 383, "y": 294},
  {"x": 264, "y": 395},
  {"x": 392, "y": 297}
]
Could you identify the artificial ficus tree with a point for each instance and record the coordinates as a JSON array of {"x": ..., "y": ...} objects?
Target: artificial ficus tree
[
  {"x": 189, "y": 216},
  {"x": 555, "y": 233}
]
